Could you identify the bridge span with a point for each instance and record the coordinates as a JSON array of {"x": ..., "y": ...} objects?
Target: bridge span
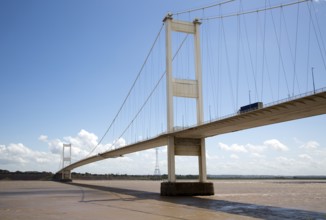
[
  {"x": 297, "y": 108},
  {"x": 190, "y": 141}
]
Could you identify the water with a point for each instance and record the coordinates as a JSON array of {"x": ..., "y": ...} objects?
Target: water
[{"x": 233, "y": 199}]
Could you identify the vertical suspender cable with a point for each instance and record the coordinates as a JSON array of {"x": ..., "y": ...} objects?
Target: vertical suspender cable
[
  {"x": 130, "y": 90},
  {"x": 238, "y": 58},
  {"x": 318, "y": 28},
  {"x": 264, "y": 49},
  {"x": 308, "y": 54},
  {"x": 256, "y": 53},
  {"x": 250, "y": 56},
  {"x": 228, "y": 65},
  {"x": 219, "y": 65},
  {"x": 295, "y": 51},
  {"x": 279, "y": 56},
  {"x": 317, "y": 38}
]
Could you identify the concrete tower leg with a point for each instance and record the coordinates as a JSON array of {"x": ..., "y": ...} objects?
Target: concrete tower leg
[
  {"x": 202, "y": 162},
  {"x": 188, "y": 89},
  {"x": 171, "y": 160}
]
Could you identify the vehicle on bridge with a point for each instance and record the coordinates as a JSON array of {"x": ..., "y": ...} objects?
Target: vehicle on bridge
[{"x": 250, "y": 107}]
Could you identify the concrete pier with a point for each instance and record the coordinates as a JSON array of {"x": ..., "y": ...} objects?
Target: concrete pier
[{"x": 187, "y": 189}]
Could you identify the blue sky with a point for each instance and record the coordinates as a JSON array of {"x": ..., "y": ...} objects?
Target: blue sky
[{"x": 66, "y": 66}]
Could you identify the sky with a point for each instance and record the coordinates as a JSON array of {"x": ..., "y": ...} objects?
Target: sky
[{"x": 66, "y": 66}]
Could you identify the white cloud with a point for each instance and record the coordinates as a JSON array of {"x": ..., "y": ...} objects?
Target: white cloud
[
  {"x": 234, "y": 148},
  {"x": 257, "y": 155},
  {"x": 18, "y": 149},
  {"x": 305, "y": 156},
  {"x": 310, "y": 145},
  {"x": 234, "y": 156},
  {"x": 84, "y": 140},
  {"x": 255, "y": 149},
  {"x": 119, "y": 143},
  {"x": 2, "y": 149},
  {"x": 211, "y": 157},
  {"x": 43, "y": 138},
  {"x": 124, "y": 159},
  {"x": 223, "y": 146},
  {"x": 82, "y": 144},
  {"x": 253, "y": 159},
  {"x": 285, "y": 161},
  {"x": 55, "y": 146},
  {"x": 20, "y": 157},
  {"x": 110, "y": 146},
  {"x": 276, "y": 145},
  {"x": 259, "y": 159}
]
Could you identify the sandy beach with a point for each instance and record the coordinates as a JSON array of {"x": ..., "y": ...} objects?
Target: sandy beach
[{"x": 233, "y": 199}]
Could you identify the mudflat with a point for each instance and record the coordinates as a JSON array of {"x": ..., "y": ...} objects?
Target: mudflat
[{"x": 233, "y": 199}]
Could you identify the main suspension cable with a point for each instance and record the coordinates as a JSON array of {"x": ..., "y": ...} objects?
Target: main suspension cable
[
  {"x": 151, "y": 93},
  {"x": 202, "y": 8},
  {"x": 132, "y": 87},
  {"x": 253, "y": 11}
]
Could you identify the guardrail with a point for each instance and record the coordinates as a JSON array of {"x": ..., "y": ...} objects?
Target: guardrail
[
  {"x": 227, "y": 116},
  {"x": 180, "y": 128}
]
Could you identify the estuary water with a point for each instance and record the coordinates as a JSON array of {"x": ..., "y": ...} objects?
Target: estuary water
[{"x": 233, "y": 199}]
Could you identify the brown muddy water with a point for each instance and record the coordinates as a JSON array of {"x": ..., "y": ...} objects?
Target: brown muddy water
[{"x": 233, "y": 199}]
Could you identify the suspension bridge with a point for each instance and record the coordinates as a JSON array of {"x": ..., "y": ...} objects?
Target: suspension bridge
[{"x": 241, "y": 68}]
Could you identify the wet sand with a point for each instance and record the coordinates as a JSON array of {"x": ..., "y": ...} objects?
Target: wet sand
[{"x": 233, "y": 199}]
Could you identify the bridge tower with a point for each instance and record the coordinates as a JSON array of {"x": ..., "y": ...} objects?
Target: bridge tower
[
  {"x": 66, "y": 160},
  {"x": 184, "y": 146},
  {"x": 157, "y": 171}
]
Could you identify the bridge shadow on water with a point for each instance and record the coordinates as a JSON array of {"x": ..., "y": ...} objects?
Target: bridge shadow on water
[{"x": 209, "y": 203}]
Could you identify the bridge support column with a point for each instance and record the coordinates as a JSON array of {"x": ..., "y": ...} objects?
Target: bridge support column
[
  {"x": 171, "y": 159},
  {"x": 66, "y": 176},
  {"x": 202, "y": 161},
  {"x": 191, "y": 89},
  {"x": 62, "y": 176},
  {"x": 186, "y": 147}
]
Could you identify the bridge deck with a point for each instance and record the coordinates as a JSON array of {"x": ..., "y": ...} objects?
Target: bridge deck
[{"x": 302, "y": 107}]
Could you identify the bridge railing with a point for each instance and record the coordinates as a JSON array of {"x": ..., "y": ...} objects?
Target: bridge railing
[
  {"x": 218, "y": 119},
  {"x": 295, "y": 97},
  {"x": 180, "y": 128}
]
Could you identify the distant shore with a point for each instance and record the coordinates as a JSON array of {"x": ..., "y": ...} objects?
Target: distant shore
[{"x": 46, "y": 176}]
